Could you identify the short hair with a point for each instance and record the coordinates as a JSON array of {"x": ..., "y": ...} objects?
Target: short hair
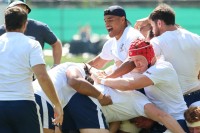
[
  {"x": 163, "y": 12},
  {"x": 15, "y": 18},
  {"x": 192, "y": 114}
]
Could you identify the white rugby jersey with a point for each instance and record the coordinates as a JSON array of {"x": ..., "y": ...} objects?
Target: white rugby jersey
[
  {"x": 18, "y": 54},
  {"x": 181, "y": 48}
]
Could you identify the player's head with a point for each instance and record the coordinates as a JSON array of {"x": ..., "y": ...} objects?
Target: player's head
[
  {"x": 142, "y": 122},
  {"x": 192, "y": 117},
  {"x": 15, "y": 19},
  {"x": 21, "y": 4},
  {"x": 115, "y": 20},
  {"x": 142, "y": 53},
  {"x": 161, "y": 17},
  {"x": 163, "y": 12}
]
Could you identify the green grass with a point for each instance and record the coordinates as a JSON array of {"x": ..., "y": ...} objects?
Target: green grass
[
  {"x": 49, "y": 59},
  {"x": 78, "y": 59}
]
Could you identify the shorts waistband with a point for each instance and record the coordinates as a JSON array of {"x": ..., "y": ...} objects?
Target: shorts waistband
[{"x": 194, "y": 92}]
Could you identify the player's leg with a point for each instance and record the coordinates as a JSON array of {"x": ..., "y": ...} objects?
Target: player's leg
[
  {"x": 85, "y": 115},
  {"x": 46, "y": 114},
  {"x": 128, "y": 127},
  {"x": 5, "y": 127},
  {"x": 24, "y": 117},
  {"x": 114, "y": 126},
  {"x": 94, "y": 131}
]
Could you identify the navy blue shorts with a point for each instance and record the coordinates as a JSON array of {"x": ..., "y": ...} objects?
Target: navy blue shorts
[
  {"x": 157, "y": 128},
  {"x": 183, "y": 125},
  {"x": 20, "y": 116},
  {"x": 82, "y": 113},
  {"x": 46, "y": 112},
  {"x": 192, "y": 97}
]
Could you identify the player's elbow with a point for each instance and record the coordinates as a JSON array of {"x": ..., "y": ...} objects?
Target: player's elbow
[
  {"x": 41, "y": 77},
  {"x": 162, "y": 116},
  {"x": 74, "y": 83},
  {"x": 127, "y": 85}
]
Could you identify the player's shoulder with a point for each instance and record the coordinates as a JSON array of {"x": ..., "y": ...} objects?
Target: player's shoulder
[
  {"x": 163, "y": 66},
  {"x": 131, "y": 34},
  {"x": 110, "y": 40},
  {"x": 36, "y": 22},
  {"x": 2, "y": 29},
  {"x": 130, "y": 29},
  {"x": 189, "y": 33},
  {"x": 30, "y": 40}
]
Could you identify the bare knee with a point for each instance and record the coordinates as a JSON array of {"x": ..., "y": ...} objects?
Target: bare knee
[
  {"x": 46, "y": 130},
  {"x": 94, "y": 131}
]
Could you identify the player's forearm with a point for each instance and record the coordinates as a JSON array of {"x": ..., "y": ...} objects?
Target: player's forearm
[
  {"x": 57, "y": 52},
  {"x": 97, "y": 62},
  {"x": 171, "y": 124},
  {"x": 124, "y": 68},
  {"x": 84, "y": 87},
  {"x": 162, "y": 117},
  {"x": 122, "y": 84}
]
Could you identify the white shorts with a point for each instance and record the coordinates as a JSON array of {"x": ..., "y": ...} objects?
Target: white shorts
[
  {"x": 167, "y": 131},
  {"x": 129, "y": 127},
  {"x": 126, "y": 105}
]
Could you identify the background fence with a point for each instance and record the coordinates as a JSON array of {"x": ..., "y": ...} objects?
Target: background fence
[
  {"x": 66, "y": 22},
  {"x": 66, "y": 17}
]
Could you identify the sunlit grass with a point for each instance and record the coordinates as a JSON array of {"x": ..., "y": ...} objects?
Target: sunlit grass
[{"x": 78, "y": 59}]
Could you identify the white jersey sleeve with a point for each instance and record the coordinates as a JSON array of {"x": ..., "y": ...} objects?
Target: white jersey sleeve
[
  {"x": 36, "y": 58},
  {"x": 157, "y": 50},
  {"x": 166, "y": 92},
  {"x": 106, "y": 52}
]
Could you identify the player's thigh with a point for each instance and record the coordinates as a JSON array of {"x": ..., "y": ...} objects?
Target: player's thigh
[
  {"x": 86, "y": 114},
  {"x": 48, "y": 130},
  {"x": 131, "y": 107},
  {"x": 68, "y": 125},
  {"x": 25, "y": 118},
  {"x": 128, "y": 127},
  {"x": 94, "y": 131},
  {"x": 58, "y": 130},
  {"x": 5, "y": 127},
  {"x": 46, "y": 113}
]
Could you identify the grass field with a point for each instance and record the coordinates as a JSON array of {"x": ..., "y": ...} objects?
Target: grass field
[
  {"x": 49, "y": 59},
  {"x": 78, "y": 59}
]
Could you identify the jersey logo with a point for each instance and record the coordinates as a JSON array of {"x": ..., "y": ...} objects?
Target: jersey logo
[
  {"x": 121, "y": 47},
  {"x": 148, "y": 72}
]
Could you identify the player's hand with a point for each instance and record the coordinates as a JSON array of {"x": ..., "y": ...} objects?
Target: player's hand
[
  {"x": 58, "y": 115},
  {"x": 106, "y": 100},
  {"x": 54, "y": 65},
  {"x": 141, "y": 22},
  {"x": 96, "y": 78},
  {"x": 101, "y": 73}
]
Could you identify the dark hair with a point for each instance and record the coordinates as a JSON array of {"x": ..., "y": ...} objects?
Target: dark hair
[
  {"x": 88, "y": 74},
  {"x": 10, "y": 1},
  {"x": 115, "y": 10},
  {"x": 163, "y": 12},
  {"x": 15, "y": 18},
  {"x": 192, "y": 114}
]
